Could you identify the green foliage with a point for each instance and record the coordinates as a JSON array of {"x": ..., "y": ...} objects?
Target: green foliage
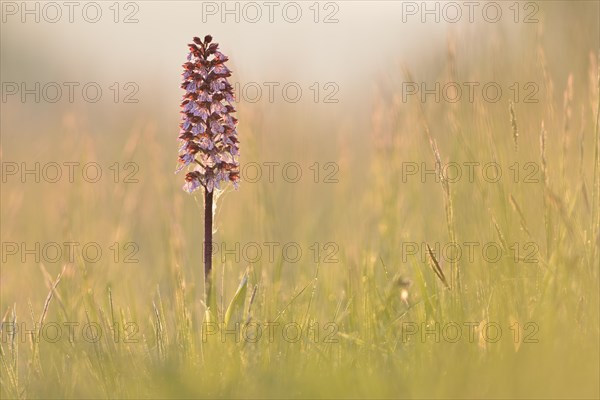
[{"x": 379, "y": 322}]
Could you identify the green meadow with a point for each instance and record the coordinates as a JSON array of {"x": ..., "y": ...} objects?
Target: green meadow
[{"x": 429, "y": 228}]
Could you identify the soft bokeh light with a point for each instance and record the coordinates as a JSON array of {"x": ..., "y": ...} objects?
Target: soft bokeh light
[{"x": 351, "y": 134}]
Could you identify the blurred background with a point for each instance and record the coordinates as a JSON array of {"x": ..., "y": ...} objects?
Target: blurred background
[
  {"x": 360, "y": 49},
  {"x": 321, "y": 89}
]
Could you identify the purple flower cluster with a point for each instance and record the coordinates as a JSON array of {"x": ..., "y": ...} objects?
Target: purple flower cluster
[{"x": 208, "y": 128}]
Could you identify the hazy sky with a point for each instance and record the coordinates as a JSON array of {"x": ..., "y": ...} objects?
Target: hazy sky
[
  {"x": 351, "y": 43},
  {"x": 360, "y": 38}
]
